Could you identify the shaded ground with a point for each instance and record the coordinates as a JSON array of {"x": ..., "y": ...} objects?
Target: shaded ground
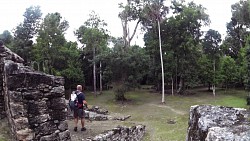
[
  {"x": 4, "y": 130},
  {"x": 164, "y": 122}
]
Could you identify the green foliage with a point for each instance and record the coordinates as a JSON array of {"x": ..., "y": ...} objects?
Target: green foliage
[
  {"x": 53, "y": 54},
  {"x": 25, "y": 32},
  {"x": 93, "y": 36},
  {"x": 228, "y": 71},
  {"x": 133, "y": 63},
  {"x": 50, "y": 41},
  {"x": 211, "y": 44},
  {"x": 6, "y": 37},
  {"x": 180, "y": 41},
  {"x": 206, "y": 74}
]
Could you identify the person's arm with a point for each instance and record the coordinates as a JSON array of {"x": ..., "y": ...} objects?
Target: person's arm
[{"x": 84, "y": 101}]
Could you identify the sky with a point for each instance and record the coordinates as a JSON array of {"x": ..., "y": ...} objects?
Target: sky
[{"x": 76, "y": 13}]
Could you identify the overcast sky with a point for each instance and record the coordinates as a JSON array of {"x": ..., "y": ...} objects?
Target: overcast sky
[{"x": 76, "y": 12}]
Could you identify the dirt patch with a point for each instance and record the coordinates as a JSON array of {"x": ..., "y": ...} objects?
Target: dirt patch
[{"x": 93, "y": 127}]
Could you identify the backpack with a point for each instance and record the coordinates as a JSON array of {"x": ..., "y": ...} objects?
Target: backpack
[{"x": 73, "y": 101}]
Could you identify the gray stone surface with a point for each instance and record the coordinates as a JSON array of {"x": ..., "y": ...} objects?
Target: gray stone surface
[
  {"x": 219, "y": 123},
  {"x": 134, "y": 133},
  {"x": 33, "y": 102}
]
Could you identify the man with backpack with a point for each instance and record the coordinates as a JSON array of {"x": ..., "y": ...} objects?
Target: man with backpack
[{"x": 80, "y": 103}]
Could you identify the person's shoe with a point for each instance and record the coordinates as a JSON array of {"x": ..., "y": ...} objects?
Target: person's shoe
[
  {"x": 83, "y": 129},
  {"x": 75, "y": 129}
]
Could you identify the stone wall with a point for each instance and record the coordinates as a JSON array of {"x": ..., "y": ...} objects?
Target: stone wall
[
  {"x": 134, "y": 133},
  {"x": 210, "y": 123},
  {"x": 33, "y": 102}
]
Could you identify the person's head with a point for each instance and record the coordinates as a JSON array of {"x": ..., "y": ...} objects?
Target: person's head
[{"x": 79, "y": 87}]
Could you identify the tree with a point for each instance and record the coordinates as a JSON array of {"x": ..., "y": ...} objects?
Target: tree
[
  {"x": 25, "y": 32},
  {"x": 131, "y": 12},
  {"x": 6, "y": 37},
  {"x": 206, "y": 70},
  {"x": 50, "y": 41},
  {"x": 248, "y": 72},
  {"x": 134, "y": 62},
  {"x": 212, "y": 49},
  {"x": 153, "y": 12},
  {"x": 228, "y": 70},
  {"x": 94, "y": 37},
  {"x": 182, "y": 34},
  {"x": 237, "y": 28}
]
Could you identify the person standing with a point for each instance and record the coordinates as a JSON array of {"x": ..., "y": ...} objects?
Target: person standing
[{"x": 79, "y": 112}]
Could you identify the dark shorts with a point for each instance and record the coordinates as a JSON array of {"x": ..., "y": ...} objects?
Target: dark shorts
[{"x": 80, "y": 113}]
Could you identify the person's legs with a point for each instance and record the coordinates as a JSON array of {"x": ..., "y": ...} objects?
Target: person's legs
[
  {"x": 82, "y": 116},
  {"x": 75, "y": 119},
  {"x": 83, "y": 121}
]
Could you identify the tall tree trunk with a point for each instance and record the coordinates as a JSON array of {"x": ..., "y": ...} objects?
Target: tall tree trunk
[
  {"x": 209, "y": 86},
  {"x": 181, "y": 86},
  {"x": 94, "y": 72},
  {"x": 100, "y": 77},
  {"x": 176, "y": 77},
  {"x": 172, "y": 78},
  {"x": 214, "y": 79},
  {"x": 162, "y": 68}
]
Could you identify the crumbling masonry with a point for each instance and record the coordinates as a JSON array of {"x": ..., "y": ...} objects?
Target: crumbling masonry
[{"x": 33, "y": 102}]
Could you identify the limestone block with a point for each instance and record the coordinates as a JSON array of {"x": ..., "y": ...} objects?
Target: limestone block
[
  {"x": 51, "y": 137},
  {"x": 35, "y": 108},
  {"x": 235, "y": 133},
  {"x": 226, "y": 121},
  {"x": 32, "y": 95},
  {"x": 56, "y": 92},
  {"x": 39, "y": 119},
  {"x": 58, "y": 114},
  {"x": 59, "y": 81},
  {"x": 25, "y": 135},
  {"x": 17, "y": 110},
  {"x": 64, "y": 136},
  {"x": 63, "y": 125},
  {"x": 21, "y": 123},
  {"x": 45, "y": 128},
  {"x": 15, "y": 96},
  {"x": 57, "y": 104},
  {"x": 15, "y": 82}
]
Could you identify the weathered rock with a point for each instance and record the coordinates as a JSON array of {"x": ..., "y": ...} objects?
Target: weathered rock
[
  {"x": 134, "y": 133},
  {"x": 98, "y": 110},
  {"x": 33, "y": 102},
  {"x": 94, "y": 116},
  {"x": 121, "y": 118},
  {"x": 211, "y": 123}
]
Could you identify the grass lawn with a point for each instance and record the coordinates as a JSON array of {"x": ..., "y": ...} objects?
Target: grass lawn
[{"x": 164, "y": 122}]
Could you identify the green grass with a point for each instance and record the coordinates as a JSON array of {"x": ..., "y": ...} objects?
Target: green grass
[{"x": 146, "y": 108}]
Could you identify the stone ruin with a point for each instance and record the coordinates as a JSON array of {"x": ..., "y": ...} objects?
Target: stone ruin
[
  {"x": 218, "y": 123},
  {"x": 34, "y": 104},
  {"x": 134, "y": 133}
]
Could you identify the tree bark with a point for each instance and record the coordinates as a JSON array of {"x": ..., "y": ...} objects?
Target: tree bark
[
  {"x": 162, "y": 68},
  {"x": 100, "y": 77},
  {"x": 172, "y": 78},
  {"x": 214, "y": 80},
  {"x": 94, "y": 72},
  {"x": 209, "y": 86},
  {"x": 181, "y": 86},
  {"x": 176, "y": 77}
]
